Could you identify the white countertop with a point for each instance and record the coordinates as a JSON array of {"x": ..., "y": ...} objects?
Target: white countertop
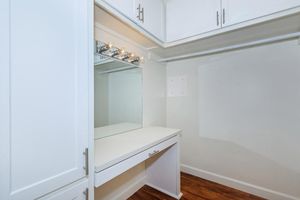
[{"x": 113, "y": 149}]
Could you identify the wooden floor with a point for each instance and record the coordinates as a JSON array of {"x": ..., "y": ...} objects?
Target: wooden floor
[{"x": 194, "y": 188}]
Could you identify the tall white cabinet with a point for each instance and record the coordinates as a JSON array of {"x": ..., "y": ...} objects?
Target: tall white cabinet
[{"x": 44, "y": 97}]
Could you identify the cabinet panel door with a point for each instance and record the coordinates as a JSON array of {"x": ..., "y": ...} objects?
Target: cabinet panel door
[
  {"x": 237, "y": 11},
  {"x": 126, "y": 7},
  {"x": 191, "y": 17},
  {"x": 75, "y": 192},
  {"x": 47, "y": 93},
  {"x": 153, "y": 17}
]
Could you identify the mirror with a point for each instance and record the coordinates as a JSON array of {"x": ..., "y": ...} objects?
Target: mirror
[{"x": 117, "y": 96}]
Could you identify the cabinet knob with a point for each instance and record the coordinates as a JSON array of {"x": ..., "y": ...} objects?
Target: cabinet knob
[{"x": 153, "y": 153}]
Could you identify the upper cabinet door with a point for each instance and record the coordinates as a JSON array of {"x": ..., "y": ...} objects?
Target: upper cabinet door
[
  {"x": 191, "y": 17},
  {"x": 126, "y": 7},
  {"x": 47, "y": 93},
  {"x": 237, "y": 11},
  {"x": 150, "y": 14}
]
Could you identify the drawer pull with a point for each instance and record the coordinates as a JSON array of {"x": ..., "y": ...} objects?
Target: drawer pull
[{"x": 153, "y": 153}]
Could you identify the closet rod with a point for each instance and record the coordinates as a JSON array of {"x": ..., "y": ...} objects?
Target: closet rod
[{"x": 234, "y": 47}]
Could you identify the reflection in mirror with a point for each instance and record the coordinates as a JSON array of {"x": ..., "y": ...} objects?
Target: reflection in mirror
[{"x": 117, "y": 95}]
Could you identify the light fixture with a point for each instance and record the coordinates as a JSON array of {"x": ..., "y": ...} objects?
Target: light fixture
[{"x": 107, "y": 49}]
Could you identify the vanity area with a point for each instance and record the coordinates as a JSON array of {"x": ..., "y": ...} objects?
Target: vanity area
[
  {"x": 121, "y": 142},
  {"x": 157, "y": 146}
]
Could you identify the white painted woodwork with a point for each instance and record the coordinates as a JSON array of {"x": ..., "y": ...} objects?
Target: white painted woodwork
[
  {"x": 117, "y": 154},
  {"x": 163, "y": 171},
  {"x": 111, "y": 150},
  {"x": 126, "y": 7},
  {"x": 76, "y": 191},
  {"x": 113, "y": 171},
  {"x": 45, "y": 96},
  {"x": 191, "y": 17},
  {"x": 154, "y": 17},
  {"x": 237, "y": 11},
  {"x": 4, "y": 100}
]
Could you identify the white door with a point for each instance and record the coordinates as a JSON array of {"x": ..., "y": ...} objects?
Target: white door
[
  {"x": 44, "y": 96},
  {"x": 152, "y": 17},
  {"x": 237, "y": 11},
  {"x": 191, "y": 17},
  {"x": 126, "y": 7}
]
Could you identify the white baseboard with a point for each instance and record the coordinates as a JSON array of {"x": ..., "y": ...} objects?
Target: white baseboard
[
  {"x": 165, "y": 192},
  {"x": 240, "y": 185},
  {"x": 131, "y": 189}
]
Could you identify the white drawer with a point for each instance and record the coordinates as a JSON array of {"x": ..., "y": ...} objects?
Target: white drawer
[{"x": 117, "y": 169}]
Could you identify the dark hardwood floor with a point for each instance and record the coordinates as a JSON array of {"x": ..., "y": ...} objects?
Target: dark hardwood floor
[{"x": 194, "y": 188}]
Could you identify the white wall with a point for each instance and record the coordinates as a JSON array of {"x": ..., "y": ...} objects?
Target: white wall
[
  {"x": 154, "y": 94},
  {"x": 101, "y": 100},
  {"x": 240, "y": 114}
]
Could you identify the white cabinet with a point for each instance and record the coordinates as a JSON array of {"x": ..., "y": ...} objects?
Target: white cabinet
[
  {"x": 147, "y": 14},
  {"x": 44, "y": 96},
  {"x": 126, "y": 7},
  {"x": 191, "y": 17},
  {"x": 237, "y": 11},
  {"x": 151, "y": 16},
  {"x": 77, "y": 191}
]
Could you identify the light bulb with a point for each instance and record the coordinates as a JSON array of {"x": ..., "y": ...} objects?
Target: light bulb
[{"x": 122, "y": 51}]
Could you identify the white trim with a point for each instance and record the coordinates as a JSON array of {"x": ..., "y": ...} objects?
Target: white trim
[
  {"x": 234, "y": 47},
  {"x": 237, "y": 184},
  {"x": 5, "y": 88},
  {"x": 90, "y": 38},
  {"x": 165, "y": 192}
]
